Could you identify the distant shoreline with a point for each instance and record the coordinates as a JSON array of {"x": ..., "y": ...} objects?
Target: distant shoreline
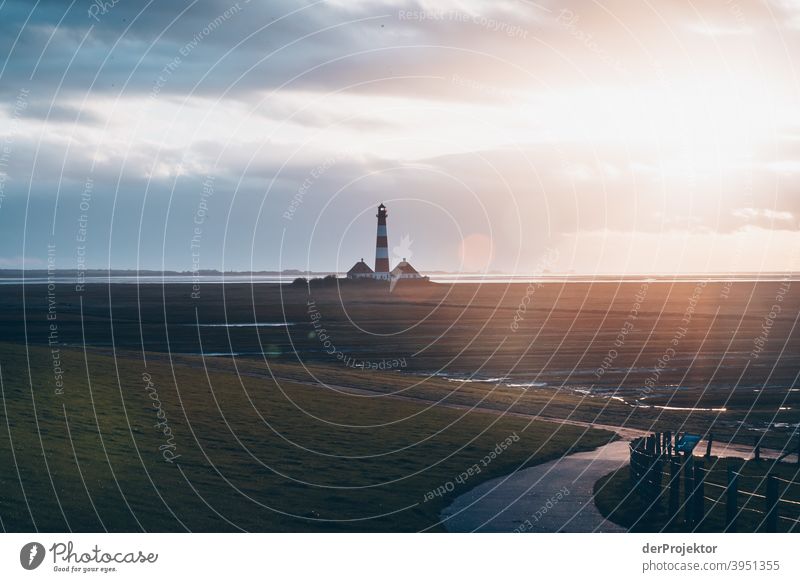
[
  {"x": 294, "y": 273},
  {"x": 66, "y": 278}
]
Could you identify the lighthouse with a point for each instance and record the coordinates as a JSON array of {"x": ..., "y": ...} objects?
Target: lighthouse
[
  {"x": 403, "y": 270},
  {"x": 381, "y": 246}
]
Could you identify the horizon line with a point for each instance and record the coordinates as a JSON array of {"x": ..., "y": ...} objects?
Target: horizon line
[{"x": 300, "y": 272}]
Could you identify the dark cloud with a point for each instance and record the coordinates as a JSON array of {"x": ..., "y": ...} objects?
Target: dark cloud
[{"x": 217, "y": 42}]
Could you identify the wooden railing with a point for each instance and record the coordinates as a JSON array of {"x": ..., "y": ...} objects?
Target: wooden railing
[{"x": 656, "y": 472}]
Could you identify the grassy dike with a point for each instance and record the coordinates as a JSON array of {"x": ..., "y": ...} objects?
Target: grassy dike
[{"x": 176, "y": 446}]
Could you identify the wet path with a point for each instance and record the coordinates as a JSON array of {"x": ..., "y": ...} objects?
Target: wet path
[{"x": 553, "y": 497}]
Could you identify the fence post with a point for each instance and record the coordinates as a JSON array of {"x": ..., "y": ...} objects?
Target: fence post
[
  {"x": 636, "y": 467},
  {"x": 771, "y": 509},
  {"x": 688, "y": 488},
  {"x": 699, "y": 492},
  {"x": 651, "y": 472},
  {"x": 655, "y": 483},
  {"x": 732, "y": 500},
  {"x": 674, "y": 490},
  {"x": 758, "y": 451},
  {"x": 708, "y": 445}
]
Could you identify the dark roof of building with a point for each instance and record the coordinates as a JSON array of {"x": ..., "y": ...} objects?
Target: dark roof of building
[
  {"x": 360, "y": 268},
  {"x": 405, "y": 268}
]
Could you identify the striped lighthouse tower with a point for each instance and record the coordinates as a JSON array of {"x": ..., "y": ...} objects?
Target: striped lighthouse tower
[{"x": 382, "y": 246}]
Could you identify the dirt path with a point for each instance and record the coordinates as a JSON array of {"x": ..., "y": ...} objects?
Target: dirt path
[{"x": 553, "y": 497}]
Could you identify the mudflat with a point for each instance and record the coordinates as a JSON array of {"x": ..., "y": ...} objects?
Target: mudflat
[{"x": 720, "y": 356}]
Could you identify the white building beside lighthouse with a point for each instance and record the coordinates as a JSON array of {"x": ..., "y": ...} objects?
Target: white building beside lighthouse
[
  {"x": 404, "y": 270},
  {"x": 361, "y": 270}
]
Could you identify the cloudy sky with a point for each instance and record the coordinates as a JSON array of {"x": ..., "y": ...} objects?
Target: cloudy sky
[{"x": 588, "y": 136}]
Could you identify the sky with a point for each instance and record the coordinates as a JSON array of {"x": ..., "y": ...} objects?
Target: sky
[{"x": 503, "y": 136}]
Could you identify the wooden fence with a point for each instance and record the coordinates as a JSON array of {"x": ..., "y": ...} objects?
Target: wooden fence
[{"x": 656, "y": 472}]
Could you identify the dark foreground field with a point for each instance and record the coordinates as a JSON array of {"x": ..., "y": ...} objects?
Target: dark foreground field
[
  {"x": 341, "y": 408},
  {"x": 175, "y": 447}
]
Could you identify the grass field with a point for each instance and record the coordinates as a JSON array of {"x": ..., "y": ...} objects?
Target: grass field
[
  {"x": 249, "y": 453},
  {"x": 710, "y": 380},
  {"x": 615, "y": 501}
]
